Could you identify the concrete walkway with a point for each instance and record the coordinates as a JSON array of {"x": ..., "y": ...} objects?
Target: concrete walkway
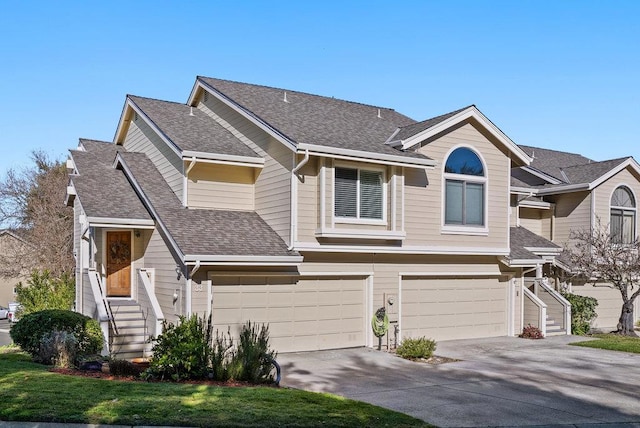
[{"x": 498, "y": 382}]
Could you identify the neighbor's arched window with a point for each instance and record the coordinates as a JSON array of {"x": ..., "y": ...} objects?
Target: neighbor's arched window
[
  {"x": 465, "y": 181},
  {"x": 623, "y": 216}
]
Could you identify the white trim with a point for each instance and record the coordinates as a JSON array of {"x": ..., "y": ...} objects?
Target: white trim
[
  {"x": 394, "y": 197},
  {"x": 243, "y": 112},
  {"x": 357, "y": 220},
  {"x": 104, "y": 259},
  {"x": 534, "y": 204},
  {"x": 482, "y": 274},
  {"x": 323, "y": 194},
  {"x": 111, "y": 221},
  {"x": 471, "y": 112},
  {"x": 563, "y": 189},
  {"x": 465, "y": 229},
  {"x": 240, "y": 260},
  {"x": 402, "y": 198},
  {"x": 630, "y": 162},
  {"x": 130, "y": 103},
  {"x": 209, "y": 284},
  {"x": 219, "y": 158},
  {"x": 634, "y": 209},
  {"x": 370, "y": 157},
  {"x": 188, "y": 284},
  {"x": 472, "y": 251},
  {"x": 360, "y": 234}
]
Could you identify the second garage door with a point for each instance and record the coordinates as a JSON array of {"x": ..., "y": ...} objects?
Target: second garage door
[
  {"x": 303, "y": 314},
  {"x": 453, "y": 308}
]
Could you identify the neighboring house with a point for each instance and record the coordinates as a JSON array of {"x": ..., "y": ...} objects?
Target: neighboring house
[
  {"x": 11, "y": 244},
  {"x": 309, "y": 213}
]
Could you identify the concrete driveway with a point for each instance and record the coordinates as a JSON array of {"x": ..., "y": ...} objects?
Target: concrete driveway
[{"x": 498, "y": 382}]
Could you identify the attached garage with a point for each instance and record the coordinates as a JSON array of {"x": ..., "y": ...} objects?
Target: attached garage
[
  {"x": 453, "y": 308},
  {"x": 304, "y": 314}
]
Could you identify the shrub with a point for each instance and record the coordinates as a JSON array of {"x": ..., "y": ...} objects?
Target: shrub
[
  {"x": 45, "y": 292},
  {"x": 59, "y": 348},
  {"x": 583, "y": 312},
  {"x": 531, "y": 332},
  {"x": 221, "y": 355},
  {"x": 252, "y": 360},
  {"x": 182, "y": 351},
  {"x": 416, "y": 348},
  {"x": 32, "y": 329}
]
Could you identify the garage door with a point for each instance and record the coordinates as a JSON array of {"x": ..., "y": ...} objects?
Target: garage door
[
  {"x": 453, "y": 308},
  {"x": 303, "y": 315}
]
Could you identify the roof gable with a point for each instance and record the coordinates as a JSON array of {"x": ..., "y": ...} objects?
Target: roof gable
[{"x": 414, "y": 134}]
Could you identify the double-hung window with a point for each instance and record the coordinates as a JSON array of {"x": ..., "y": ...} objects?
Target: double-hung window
[
  {"x": 359, "y": 194},
  {"x": 623, "y": 216},
  {"x": 464, "y": 189}
]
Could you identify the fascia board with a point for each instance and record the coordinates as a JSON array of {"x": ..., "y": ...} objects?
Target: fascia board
[
  {"x": 147, "y": 203},
  {"x": 522, "y": 190},
  {"x": 535, "y": 204},
  {"x": 121, "y": 123},
  {"x": 542, "y": 175},
  {"x": 522, "y": 262},
  {"x": 188, "y": 155},
  {"x": 544, "y": 251},
  {"x": 564, "y": 189},
  {"x": 630, "y": 162},
  {"x": 246, "y": 114},
  {"x": 463, "y": 251},
  {"x": 153, "y": 126},
  {"x": 471, "y": 112},
  {"x": 136, "y": 222},
  {"x": 360, "y": 156},
  {"x": 241, "y": 260}
]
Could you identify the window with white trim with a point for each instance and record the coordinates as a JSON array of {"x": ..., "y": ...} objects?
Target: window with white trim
[
  {"x": 623, "y": 216},
  {"x": 465, "y": 182},
  {"x": 359, "y": 194}
]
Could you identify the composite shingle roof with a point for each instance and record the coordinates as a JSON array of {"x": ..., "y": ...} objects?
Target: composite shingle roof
[
  {"x": 201, "y": 231},
  {"x": 97, "y": 182},
  {"x": 191, "y": 129},
  {"x": 551, "y": 162},
  {"x": 522, "y": 238},
  {"x": 317, "y": 120},
  {"x": 415, "y": 128}
]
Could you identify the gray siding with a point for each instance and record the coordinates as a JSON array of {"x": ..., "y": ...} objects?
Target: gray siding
[{"x": 141, "y": 138}]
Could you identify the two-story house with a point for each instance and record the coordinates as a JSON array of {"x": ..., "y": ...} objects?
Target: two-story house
[{"x": 309, "y": 213}]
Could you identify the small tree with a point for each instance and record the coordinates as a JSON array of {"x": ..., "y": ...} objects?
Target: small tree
[
  {"x": 45, "y": 292},
  {"x": 601, "y": 259}
]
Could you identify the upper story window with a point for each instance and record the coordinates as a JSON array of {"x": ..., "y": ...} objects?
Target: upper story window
[
  {"x": 465, "y": 181},
  {"x": 359, "y": 194},
  {"x": 623, "y": 216}
]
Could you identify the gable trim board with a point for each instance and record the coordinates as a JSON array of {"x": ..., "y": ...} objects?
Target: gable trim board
[
  {"x": 470, "y": 113},
  {"x": 377, "y": 249}
]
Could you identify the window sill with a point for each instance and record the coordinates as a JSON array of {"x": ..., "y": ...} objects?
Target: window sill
[
  {"x": 465, "y": 230},
  {"x": 360, "y": 234},
  {"x": 350, "y": 220}
]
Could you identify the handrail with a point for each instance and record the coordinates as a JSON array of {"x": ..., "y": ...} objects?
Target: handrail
[
  {"x": 564, "y": 302},
  {"x": 105, "y": 313},
  {"x": 542, "y": 309},
  {"x": 153, "y": 300}
]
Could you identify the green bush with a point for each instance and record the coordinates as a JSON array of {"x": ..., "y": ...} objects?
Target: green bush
[
  {"x": 182, "y": 351},
  {"x": 416, "y": 348},
  {"x": 45, "y": 292},
  {"x": 221, "y": 355},
  {"x": 32, "y": 328},
  {"x": 583, "y": 312},
  {"x": 252, "y": 360}
]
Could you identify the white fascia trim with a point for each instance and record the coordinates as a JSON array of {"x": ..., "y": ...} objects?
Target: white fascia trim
[
  {"x": 522, "y": 262},
  {"x": 219, "y": 158},
  {"x": 360, "y": 234},
  {"x": 360, "y": 156},
  {"x": 467, "y": 251},
  {"x": 515, "y": 190},
  {"x": 134, "y": 222},
  {"x": 541, "y": 205},
  {"x": 155, "y": 128},
  {"x": 564, "y": 189},
  {"x": 542, "y": 175},
  {"x": 147, "y": 203},
  {"x": 215, "y": 260},
  {"x": 544, "y": 250},
  {"x": 629, "y": 162},
  {"x": 465, "y": 274},
  {"x": 246, "y": 113},
  {"x": 471, "y": 112}
]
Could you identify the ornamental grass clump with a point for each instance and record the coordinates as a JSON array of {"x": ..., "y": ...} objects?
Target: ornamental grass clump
[{"x": 414, "y": 349}]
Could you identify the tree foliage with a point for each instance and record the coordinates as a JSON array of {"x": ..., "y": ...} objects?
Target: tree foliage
[
  {"x": 596, "y": 256},
  {"x": 32, "y": 203},
  {"x": 45, "y": 292}
]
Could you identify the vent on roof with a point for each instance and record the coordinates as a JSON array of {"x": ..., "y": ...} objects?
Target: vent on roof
[
  {"x": 379, "y": 115},
  {"x": 285, "y": 98},
  {"x": 191, "y": 112}
]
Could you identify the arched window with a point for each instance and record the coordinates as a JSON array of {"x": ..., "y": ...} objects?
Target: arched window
[
  {"x": 465, "y": 181},
  {"x": 623, "y": 216}
]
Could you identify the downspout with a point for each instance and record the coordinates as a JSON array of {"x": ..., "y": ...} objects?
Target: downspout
[
  {"x": 294, "y": 199},
  {"x": 189, "y": 306}
]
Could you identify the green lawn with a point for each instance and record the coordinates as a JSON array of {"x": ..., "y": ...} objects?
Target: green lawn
[
  {"x": 613, "y": 342},
  {"x": 29, "y": 392}
]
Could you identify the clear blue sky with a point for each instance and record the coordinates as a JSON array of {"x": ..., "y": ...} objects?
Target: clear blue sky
[{"x": 554, "y": 74}]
